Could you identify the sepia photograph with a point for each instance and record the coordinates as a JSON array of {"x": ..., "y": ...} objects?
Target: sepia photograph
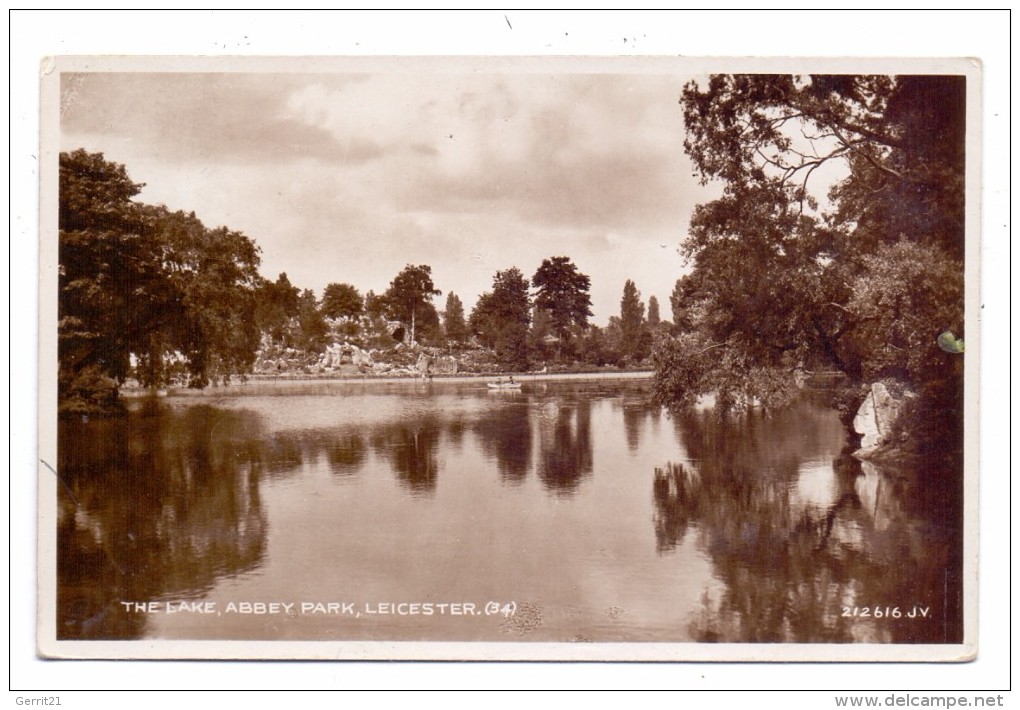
[{"x": 508, "y": 359}]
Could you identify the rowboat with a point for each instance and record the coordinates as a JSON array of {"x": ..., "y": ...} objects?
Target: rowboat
[{"x": 504, "y": 385}]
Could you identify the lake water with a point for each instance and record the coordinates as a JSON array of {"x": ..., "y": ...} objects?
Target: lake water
[{"x": 572, "y": 511}]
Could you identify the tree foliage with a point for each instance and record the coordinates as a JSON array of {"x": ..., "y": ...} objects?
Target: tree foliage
[
  {"x": 313, "y": 329},
  {"x": 455, "y": 327},
  {"x": 633, "y": 333},
  {"x": 859, "y": 272},
  {"x": 211, "y": 279},
  {"x": 137, "y": 280},
  {"x": 500, "y": 318},
  {"x": 341, "y": 300},
  {"x": 276, "y": 303},
  {"x": 409, "y": 298},
  {"x": 375, "y": 306},
  {"x": 653, "y": 313},
  {"x": 563, "y": 291},
  {"x": 108, "y": 269}
]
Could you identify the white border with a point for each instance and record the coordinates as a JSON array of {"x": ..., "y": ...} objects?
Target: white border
[{"x": 965, "y": 34}]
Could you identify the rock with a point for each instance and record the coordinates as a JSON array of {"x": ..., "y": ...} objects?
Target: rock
[
  {"x": 330, "y": 358},
  {"x": 361, "y": 357},
  {"x": 423, "y": 365},
  {"x": 875, "y": 419},
  {"x": 445, "y": 365}
]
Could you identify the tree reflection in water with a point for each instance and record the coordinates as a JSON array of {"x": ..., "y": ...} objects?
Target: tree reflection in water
[
  {"x": 565, "y": 445},
  {"x": 676, "y": 493},
  {"x": 634, "y": 414},
  {"x": 150, "y": 508},
  {"x": 412, "y": 448},
  {"x": 504, "y": 434},
  {"x": 796, "y": 531},
  {"x": 346, "y": 452}
]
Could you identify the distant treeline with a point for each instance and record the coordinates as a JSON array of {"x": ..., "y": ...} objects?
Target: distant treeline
[{"x": 156, "y": 295}]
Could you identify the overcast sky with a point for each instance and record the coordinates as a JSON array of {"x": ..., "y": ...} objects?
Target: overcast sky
[{"x": 350, "y": 177}]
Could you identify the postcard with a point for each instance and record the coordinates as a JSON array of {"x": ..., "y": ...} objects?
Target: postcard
[{"x": 509, "y": 358}]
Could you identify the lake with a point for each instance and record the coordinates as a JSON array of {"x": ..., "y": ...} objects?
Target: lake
[{"x": 568, "y": 511}]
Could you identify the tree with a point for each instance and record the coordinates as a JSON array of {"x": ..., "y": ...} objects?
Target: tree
[
  {"x": 276, "y": 303},
  {"x": 106, "y": 265},
  {"x": 613, "y": 344},
  {"x": 453, "y": 320},
  {"x": 501, "y": 318},
  {"x": 137, "y": 280},
  {"x": 563, "y": 292},
  {"x": 781, "y": 264},
  {"x": 375, "y": 306},
  {"x": 541, "y": 337},
  {"x": 410, "y": 296},
  {"x": 482, "y": 321},
  {"x": 677, "y": 300},
  {"x": 632, "y": 321},
  {"x": 341, "y": 300},
  {"x": 312, "y": 323},
  {"x": 594, "y": 347},
  {"x": 653, "y": 312},
  {"x": 212, "y": 277}
]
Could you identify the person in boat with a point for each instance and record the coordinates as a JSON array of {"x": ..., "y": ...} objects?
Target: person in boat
[{"x": 511, "y": 379}]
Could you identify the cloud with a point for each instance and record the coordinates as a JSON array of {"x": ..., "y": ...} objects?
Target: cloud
[
  {"x": 198, "y": 117},
  {"x": 584, "y": 151},
  {"x": 350, "y": 177}
]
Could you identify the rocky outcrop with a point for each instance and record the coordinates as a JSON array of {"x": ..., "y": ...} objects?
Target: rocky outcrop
[
  {"x": 339, "y": 355},
  {"x": 876, "y": 420},
  {"x": 430, "y": 364},
  {"x": 361, "y": 358},
  {"x": 445, "y": 365},
  {"x": 424, "y": 364},
  {"x": 332, "y": 358}
]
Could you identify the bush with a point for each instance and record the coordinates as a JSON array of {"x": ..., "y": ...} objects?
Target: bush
[{"x": 89, "y": 392}]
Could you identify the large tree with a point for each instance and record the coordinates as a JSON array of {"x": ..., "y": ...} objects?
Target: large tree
[
  {"x": 409, "y": 297},
  {"x": 212, "y": 276},
  {"x": 653, "y": 312},
  {"x": 563, "y": 291},
  {"x": 375, "y": 306},
  {"x": 137, "y": 280},
  {"x": 782, "y": 261},
  {"x": 313, "y": 329},
  {"x": 341, "y": 300},
  {"x": 501, "y": 318},
  {"x": 633, "y": 338},
  {"x": 455, "y": 327},
  {"x": 109, "y": 278},
  {"x": 276, "y": 303}
]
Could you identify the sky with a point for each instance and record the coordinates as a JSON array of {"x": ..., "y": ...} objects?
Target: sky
[{"x": 349, "y": 177}]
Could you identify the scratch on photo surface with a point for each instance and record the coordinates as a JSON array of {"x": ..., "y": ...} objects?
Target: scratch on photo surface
[{"x": 62, "y": 481}]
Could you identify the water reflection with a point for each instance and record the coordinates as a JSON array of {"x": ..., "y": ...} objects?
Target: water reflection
[
  {"x": 764, "y": 529},
  {"x": 412, "y": 448},
  {"x": 347, "y": 454},
  {"x": 634, "y": 415},
  {"x": 677, "y": 495},
  {"x": 505, "y": 435},
  {"x": 565, "y": 445},
  {"x": 798, "y": 532},
  {"x": 151, "y": 511}
]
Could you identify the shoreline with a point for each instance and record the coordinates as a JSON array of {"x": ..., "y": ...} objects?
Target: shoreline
[{"x": 257, "y": 382}]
